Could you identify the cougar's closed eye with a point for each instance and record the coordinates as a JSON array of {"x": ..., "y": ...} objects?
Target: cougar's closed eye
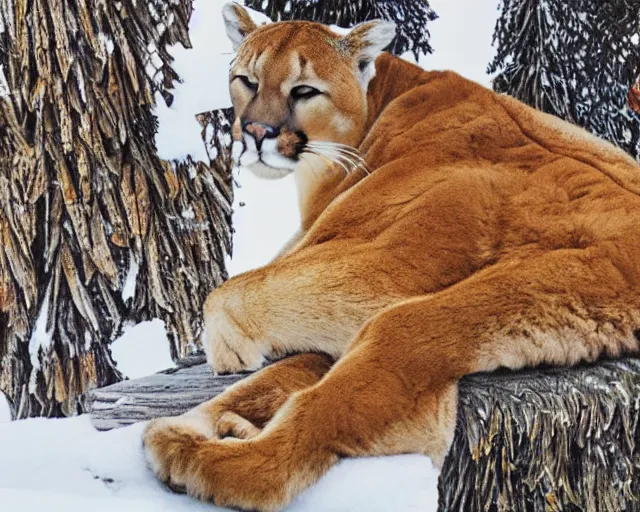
[
  {"x": 303, "y": 92},
  {"x": 253, "y": 86}
]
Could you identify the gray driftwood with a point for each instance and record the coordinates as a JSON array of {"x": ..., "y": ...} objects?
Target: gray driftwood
[
  {"x": 164, "y": 394},
  {"x": 539, "y": 440}
]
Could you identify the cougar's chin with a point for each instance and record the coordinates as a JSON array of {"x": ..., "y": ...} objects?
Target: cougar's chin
[
  {"x": 265, "y": 171},
  {"x": 268, "y": 163}
]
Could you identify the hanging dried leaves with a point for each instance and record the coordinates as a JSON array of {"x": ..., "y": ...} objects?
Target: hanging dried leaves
[{"x": 96, "y": 230}]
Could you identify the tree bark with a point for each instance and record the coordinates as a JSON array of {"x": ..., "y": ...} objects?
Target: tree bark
[
  {"x": 547, "y": 440},
  {"x": 96, "y": 230}
]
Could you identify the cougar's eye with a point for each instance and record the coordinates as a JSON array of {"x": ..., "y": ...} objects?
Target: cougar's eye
[
  {"x": 253, "y": 86},
  {"x": 303, "y": 92}
]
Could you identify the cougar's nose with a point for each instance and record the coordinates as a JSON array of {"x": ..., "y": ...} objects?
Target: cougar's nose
[{"x": 260, "y": 131}]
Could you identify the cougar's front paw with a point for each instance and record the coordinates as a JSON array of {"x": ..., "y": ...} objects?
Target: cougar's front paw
[
  {"x": 169, "y": 447},
  {"x": 226, "y": 356},
  {"x": 229, "y": 342},
  {"x": 229, "y": 472}
]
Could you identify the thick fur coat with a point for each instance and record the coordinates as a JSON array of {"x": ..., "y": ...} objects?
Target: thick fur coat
[{"x": 486, "y": 235}]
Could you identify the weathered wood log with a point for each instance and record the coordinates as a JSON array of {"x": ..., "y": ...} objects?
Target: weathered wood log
[
  {"x": 164, "y": 394},
  {"x": 530, "y": 441},
  {"x": 95, "y": 229}
]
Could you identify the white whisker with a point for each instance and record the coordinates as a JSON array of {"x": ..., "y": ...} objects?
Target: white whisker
[
  {"x": 342, "y": 148},
  {"x": 326, "y": 157},
  {"x": 347, "y": 153},
  {"x": 334, "y": 144},
  {"x": 350, "y": 156},
  {"x": 339, "y": 157}
]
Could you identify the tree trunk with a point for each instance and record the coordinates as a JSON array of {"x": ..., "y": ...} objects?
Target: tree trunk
[
  {"x": 547, "y": 440},
  {"x": 96, "y": 230}
]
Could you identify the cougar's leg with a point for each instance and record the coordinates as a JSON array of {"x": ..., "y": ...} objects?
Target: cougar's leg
[
  {"x": 314, "y": 301},
  {"x": 244, "y": 408},
  {"x": 395, "y": 389}
]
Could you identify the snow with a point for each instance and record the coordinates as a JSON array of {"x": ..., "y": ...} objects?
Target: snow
[
  {"x": 81, "y": 85},
  {"x": 107, "y": 42},
  {"x": 129, "y": 287},
  {"x": 67, "y": 465},
  {"x": 142, "y": 349},
  {"x": 4, "y": 86},
  {"x": 40, "y": 338}
]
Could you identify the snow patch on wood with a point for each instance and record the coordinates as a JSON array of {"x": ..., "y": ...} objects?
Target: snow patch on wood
[
  {"x": 41, "y": 338},
  {"x": 129, "y": 287},
  {"x": 4, "y": 86}
]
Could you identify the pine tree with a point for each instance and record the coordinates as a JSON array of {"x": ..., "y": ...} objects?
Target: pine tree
[
  {"x": 411, "y": 17},
  {"x": 96, "y": 230},
  {"x": 576, "y": 60}
]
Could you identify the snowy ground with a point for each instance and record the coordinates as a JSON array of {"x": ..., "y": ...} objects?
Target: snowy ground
[{"x": 65, "y": 465}]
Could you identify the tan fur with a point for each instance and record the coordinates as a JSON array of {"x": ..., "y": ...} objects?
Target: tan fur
[{"x": 488, "y": 235}]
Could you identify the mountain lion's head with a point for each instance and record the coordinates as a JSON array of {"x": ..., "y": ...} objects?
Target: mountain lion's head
[{"x": 297, "y": 86}]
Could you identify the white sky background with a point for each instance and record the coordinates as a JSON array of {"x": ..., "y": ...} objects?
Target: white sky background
[
  {"x": 461, "y": 37},
  {"x": 65, "y": 465}
]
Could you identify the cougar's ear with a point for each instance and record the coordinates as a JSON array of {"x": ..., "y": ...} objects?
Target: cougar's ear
[
  {"x": 365, "y": 42},
  {"x": 237, "y": 22}
]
